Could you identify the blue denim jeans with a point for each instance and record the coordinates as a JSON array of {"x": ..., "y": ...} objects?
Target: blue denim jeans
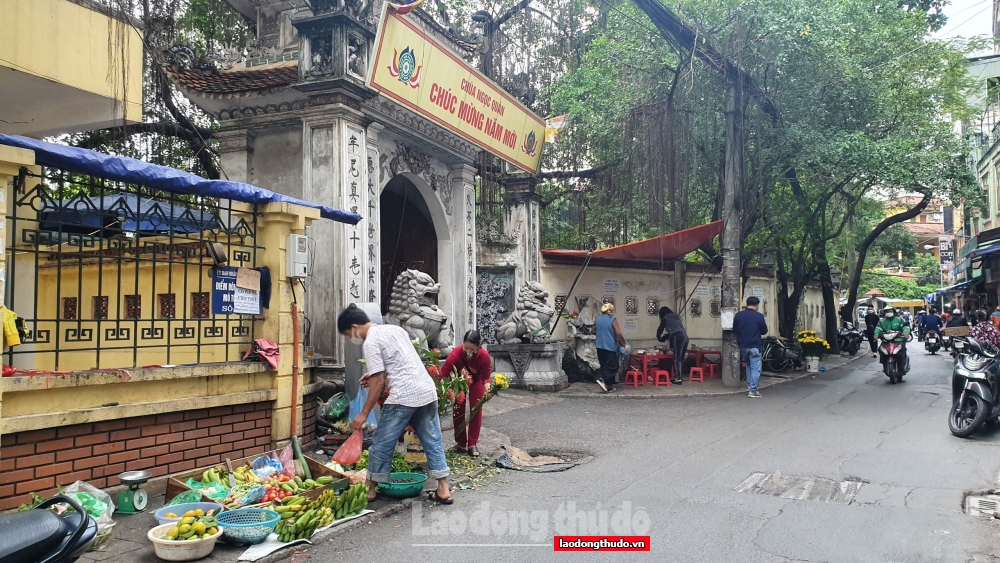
[
  {"x": 752, "y": 357},
  {"x": 391, "y": 425}
]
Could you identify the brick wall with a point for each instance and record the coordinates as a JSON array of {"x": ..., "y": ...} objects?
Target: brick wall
[
  {"x": 310, "y": 408},
  {"x": 40, "y": 460}
]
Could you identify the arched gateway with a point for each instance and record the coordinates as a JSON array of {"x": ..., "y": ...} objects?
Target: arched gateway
[{"x": 299, "y": 120}]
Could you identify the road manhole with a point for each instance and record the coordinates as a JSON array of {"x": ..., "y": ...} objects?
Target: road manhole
[
  {"x": 541, "y": 461},
  {"x": 801, "y": 487},
  {"x": 982, "y": 505}
]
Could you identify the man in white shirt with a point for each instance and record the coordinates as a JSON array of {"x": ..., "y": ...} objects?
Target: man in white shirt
[{"x": 392, "y": 361}]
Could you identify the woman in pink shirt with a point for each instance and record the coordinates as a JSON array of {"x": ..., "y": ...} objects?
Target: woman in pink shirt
[{"x": 473, "y": 362}]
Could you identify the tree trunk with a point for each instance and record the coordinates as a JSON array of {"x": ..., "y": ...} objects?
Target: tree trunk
[
  {"x": 830, "y": 306},
  {"x": 852, "y": 294}
]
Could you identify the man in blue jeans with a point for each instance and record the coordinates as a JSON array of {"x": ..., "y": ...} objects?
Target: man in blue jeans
[
  {"x": 749, "y": 326},
  {"x": 392, "y": 361}
]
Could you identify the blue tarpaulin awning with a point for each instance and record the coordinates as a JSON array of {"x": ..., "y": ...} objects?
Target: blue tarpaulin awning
[
  {"x": 126, "y": 212},
  {"x": 132, "y": 171}
]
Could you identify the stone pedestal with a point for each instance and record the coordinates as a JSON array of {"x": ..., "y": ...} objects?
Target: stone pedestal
[{"x": 535, "y": 367}]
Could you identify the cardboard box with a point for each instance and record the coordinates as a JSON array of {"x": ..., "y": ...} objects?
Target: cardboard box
[
  {"x": 956, "y": 331},
  {"x": 176, "y": 483}
]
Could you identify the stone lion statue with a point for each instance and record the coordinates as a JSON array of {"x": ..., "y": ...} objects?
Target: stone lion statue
[
  {"x": 530, "y": 320},
  {"x": 413, "y": 306}
]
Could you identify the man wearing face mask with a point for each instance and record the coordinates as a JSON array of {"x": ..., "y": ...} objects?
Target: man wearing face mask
[
  {"x": 472, "y": 362},
  {"x": 392, "y": 362},
  {"x": 892, "y": 323}
]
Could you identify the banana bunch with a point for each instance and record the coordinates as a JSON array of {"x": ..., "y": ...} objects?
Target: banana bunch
[
  {"x": 214, "y": 476},
  {"x": 352, "y": 502},
  {"x": 246, "y": 475},
  {"x": 298, "y": 521}
]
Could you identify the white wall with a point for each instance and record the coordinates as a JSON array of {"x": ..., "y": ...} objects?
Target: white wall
[{"x": 704, "y": 330}]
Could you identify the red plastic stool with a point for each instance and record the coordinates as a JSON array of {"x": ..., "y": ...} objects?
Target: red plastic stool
[
  {"x": 636, "y": 376},
  {"x": 700, "y": 377},
  {"x": 661, "y": 376},
  {"x": 712, "y": 369}
]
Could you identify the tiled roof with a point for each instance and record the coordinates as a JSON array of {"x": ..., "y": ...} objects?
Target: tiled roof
[
  {"x": 237, "y": 81},
  {"x": 925, "y": 228}
]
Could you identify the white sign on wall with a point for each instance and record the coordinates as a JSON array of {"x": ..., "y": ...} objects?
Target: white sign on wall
[
  {"x": 630, "y": 325},
  {"x": 758, "y": 292},
  {"x": 701, "y": 290},
  {"x": 612, "y": 286}
]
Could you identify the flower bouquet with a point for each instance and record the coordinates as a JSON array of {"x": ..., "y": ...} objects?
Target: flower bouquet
[
  {"x": 812, "y": 345},
  {"x": 498, "y": 384},
  {"x": 452, "y": 388}
]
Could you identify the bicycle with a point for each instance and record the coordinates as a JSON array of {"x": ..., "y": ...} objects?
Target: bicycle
[{"x": 779, "y": 355}]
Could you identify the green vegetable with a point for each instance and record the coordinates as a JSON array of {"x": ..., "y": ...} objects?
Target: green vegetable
[{"x": 399, "y": 464}]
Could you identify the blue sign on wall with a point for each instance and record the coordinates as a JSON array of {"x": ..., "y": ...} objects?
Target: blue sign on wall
[{"x": 225, "y": 300}]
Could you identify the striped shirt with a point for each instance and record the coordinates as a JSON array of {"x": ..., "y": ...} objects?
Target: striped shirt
[{"x": 388, "y": 348}]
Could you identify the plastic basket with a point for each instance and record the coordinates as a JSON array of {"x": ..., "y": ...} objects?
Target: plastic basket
[{"x": 247, "y": 525}]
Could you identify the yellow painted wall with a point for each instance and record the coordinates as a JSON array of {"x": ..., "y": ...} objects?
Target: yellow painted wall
[
  {"x": 68, "y": 43},
  {"x": 115, "y": 281}
]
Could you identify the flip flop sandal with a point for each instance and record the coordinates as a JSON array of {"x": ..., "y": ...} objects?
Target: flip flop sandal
[
  {"x": 473, "y": 451},
  {"x": 433, "y": 497}
]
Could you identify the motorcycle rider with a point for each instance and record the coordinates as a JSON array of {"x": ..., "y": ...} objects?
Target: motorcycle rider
[
  {"x": 931, "y": 322},
  {"x": 892, "y": 323},
  {"x": 957, "y": 319},
  {"x": 920, "y": 324}
]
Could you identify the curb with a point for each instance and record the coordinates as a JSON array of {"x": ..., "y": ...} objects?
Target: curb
[
  {"x": 633, "y": 397},
  {"x": 384, "y": 512}
]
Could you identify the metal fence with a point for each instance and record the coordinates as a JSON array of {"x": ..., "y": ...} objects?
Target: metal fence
[{"x": 110, "y": 275}]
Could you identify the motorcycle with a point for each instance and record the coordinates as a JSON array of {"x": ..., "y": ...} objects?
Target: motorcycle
[
  {"x": 946, "y": 342},
  {"x": 958, "y": 345},
  {"x": 974, "y": 389},
  {"x": 932, "y": 342},
  {"x": 890, "y": 354},
  {"x": 850, "y": 339},
  {"x": 41, "y": 536}
]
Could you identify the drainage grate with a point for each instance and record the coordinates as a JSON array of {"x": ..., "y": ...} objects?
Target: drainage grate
[
  {"x": 801, "y": 488},
  {"x": 985, "y": 505}
]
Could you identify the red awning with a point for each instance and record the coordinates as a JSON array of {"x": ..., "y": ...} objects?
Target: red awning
[{"x": 655, "y": 251}]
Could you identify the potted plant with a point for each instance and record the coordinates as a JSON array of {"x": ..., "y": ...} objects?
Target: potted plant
[{"x": 813, "y": 348}]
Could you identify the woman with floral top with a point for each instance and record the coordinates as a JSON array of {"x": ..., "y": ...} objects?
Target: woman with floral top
[{"x": 985, "y": 333}]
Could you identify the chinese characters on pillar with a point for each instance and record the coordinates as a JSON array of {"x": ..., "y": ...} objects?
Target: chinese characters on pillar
[
  {"x": 356, "y": 198},
  {"x": 371, "y": 221},
  {"x": 470, "y": 244}
]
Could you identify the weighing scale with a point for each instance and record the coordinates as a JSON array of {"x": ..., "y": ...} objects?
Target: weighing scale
[{"x": 133, "y": 500}]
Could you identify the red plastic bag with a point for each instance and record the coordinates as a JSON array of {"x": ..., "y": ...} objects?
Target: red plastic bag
[{"x": 350, "y": 451}]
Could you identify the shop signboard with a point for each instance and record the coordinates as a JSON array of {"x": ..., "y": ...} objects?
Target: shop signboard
[{"x": 413, "y": 69}]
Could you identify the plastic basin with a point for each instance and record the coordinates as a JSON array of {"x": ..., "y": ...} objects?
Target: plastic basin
[
  {"x": 403, "y": 490},
  {"x": 173, "y": 550},
  {"x": 180, "y": 509},
  {"x": 247, "y": 525}
]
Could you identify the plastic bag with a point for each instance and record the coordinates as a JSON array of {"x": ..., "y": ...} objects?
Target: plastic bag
[
  {"x": 264, "y": 466},
  {"x": 337, "y": 408},
  {"x": 214, "y": 491},
  {"x": 287, "y": 458},
  {"x": 98, "y": 504},
  {"x": 358, "y": 404},
  {"x": 185, "y": 497},
  {"x": 350, "y": 451}
]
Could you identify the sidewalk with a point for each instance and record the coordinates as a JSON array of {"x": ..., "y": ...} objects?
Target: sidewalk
[{"x": 711, "y": 387}]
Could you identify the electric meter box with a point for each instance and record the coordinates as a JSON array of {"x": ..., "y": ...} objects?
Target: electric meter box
[{"x": 298, "y": 256}]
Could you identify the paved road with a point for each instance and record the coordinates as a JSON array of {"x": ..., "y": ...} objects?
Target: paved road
[{"x": 678, "y": 461}]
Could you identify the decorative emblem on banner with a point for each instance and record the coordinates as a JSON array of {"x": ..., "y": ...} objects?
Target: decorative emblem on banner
[
  {"x": 404, "y": 67},
  {"x": 530, "y": 145}
]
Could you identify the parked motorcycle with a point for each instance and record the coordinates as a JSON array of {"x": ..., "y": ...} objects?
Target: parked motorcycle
[
  {"x": 850, "y": 339},
  {"x": 932, "y": 342},
  {"x": 41, "y": 536},
  {"x": 974, "y": 389},
  {"x": 891, "y": 356}
]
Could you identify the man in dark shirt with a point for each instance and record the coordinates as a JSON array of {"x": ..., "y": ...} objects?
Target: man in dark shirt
[
  {"x": 671, "y": 327},
  {"x": 871, "y": 321},
  {"x": 931, "y": 322},
  {"x": 749, "y": 326},
  {"x": 957, "y": 319}
]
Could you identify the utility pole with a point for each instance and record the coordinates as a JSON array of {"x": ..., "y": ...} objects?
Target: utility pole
[{"x": 732, "y": 236}]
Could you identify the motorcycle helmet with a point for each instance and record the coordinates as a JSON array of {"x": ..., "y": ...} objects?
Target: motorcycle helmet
[{"x": 956, "y": 312}]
